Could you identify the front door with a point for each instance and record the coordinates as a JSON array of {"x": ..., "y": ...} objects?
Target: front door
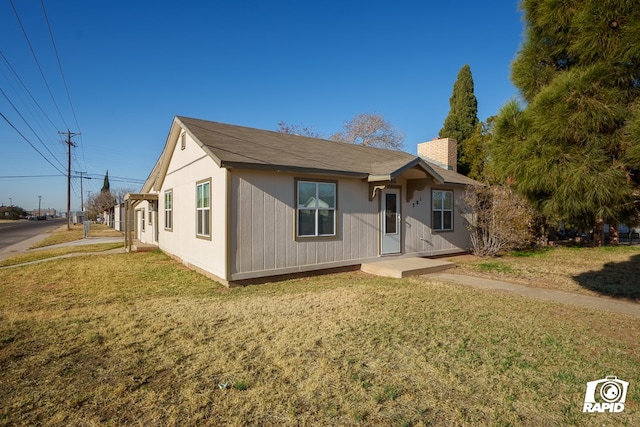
[{"x": 390, "y": 228}]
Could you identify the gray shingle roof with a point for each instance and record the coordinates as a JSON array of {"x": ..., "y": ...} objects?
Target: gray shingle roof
[{"x": 234, "y": 146}]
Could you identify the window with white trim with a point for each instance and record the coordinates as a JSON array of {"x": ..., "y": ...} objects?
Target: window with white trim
[
  {"x": 316, "y": 209},
  {"x": 442, "y": 210},
  {"x": 168, "y": 209},
  {"x": 203, "y": 209}
]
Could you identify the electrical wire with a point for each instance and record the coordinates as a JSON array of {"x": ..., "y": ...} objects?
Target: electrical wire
[
  {"x": 24, "y": 86},
  {"x": 33, "y": 53},
  {"x": 29, "y": 142},
  {"x": 64, "y": 80},
  {"x": 32, "y": 130}
]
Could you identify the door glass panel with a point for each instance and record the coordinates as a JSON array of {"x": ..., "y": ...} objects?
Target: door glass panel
[{"x": 391, "y": 212}]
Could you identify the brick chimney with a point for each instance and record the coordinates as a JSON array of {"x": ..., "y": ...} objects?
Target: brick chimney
[{"x": 441, "y": 151}]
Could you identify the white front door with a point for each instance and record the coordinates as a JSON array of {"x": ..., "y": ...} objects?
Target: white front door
[{"x": 390, "y": 226}]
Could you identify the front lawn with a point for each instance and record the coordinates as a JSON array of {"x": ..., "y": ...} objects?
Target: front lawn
[
  {"x": 610, "y": 271},
  {"x": 138, "y": 339}
]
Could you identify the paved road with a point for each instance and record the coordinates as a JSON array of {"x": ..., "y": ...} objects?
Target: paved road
[{"x": 18, "y": 231}]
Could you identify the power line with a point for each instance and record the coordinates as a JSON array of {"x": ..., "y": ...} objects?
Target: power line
[
  {"x": 24, "y": 86},
  {"x": 64, "y": 80},
  {"x": 32, "y": 130},
  {"x": 33, "y": 53},
  {"x": 29, "y": 142},
  {"x": 28, "y": 176},
  {"x": 55, "y": 49}
]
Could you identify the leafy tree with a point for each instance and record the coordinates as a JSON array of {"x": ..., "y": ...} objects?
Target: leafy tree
[
  {"x": 475, "y": 152},
  {"x": 370, "y": 130},
  {"x": 12, "y": 212},
  {"x": 105, "y": 185},
  {"x": 573, "y": 147},
  {"x": 462, "y": 120}
]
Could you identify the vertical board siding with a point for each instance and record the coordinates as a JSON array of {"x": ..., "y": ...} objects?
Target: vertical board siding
[{"x": 263, "y": 224}]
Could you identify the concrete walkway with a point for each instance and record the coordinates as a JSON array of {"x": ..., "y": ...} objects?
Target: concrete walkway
[
  {"x": 23, "y": 247},
  {"x": 601, "y": 303}
]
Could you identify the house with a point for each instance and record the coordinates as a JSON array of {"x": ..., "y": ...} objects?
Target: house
[{"x": 238, "y": 203}]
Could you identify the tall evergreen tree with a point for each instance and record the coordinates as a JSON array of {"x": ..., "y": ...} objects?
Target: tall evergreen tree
[
  {"x": 105, "y": 185},
  {"x": 462, "y": 120},
  {"x": 573, "y": 148}
]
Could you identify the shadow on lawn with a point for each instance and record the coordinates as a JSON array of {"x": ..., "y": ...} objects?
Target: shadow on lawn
[{"x": 616, "y": 279}]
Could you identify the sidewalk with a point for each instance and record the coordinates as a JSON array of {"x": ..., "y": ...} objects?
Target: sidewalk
[
  {"x": 601, "y": 303},
  {"x": 23, "y": 247}
]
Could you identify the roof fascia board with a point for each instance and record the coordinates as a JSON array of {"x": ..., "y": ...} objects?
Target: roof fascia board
[
  {"x": 417, "y": 161},
  {"x": 292, "y": 169},
  {"x": 427, "y": 168},
  {"x": 204, "y": 147}
]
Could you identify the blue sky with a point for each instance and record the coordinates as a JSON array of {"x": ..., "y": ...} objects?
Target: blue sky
[{"x": 131, "y": 66}]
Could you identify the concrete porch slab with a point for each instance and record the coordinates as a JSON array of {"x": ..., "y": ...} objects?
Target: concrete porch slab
[
  {"x": 138, "y": 246},
  {"x": 404, "y": 267}
]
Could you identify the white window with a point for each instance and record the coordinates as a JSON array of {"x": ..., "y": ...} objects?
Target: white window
[
  {"x": 142, "y": 211},
  {"x": 203, "y": 209},
  {"x": 316, "y": 209},
  {"x": 442, "y": 209},
  {"x": 168, "y": 209}
]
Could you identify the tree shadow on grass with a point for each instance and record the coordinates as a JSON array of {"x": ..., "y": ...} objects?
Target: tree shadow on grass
[{"x": 615, "y": 279}]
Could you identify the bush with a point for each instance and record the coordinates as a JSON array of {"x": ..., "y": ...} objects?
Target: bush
[{"x": 500, "y": 220}]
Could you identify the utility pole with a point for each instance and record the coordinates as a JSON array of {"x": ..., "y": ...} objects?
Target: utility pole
[
  {"x": 39, "y": 200},
  {"x": 81, "y": 193},
  {"x": 69, "y": 144}
]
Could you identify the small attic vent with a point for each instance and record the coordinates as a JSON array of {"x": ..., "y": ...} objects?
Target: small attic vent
[{"x": 183, "y": 140}]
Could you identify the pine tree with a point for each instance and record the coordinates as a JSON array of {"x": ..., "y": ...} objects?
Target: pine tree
[
  {"x": 105, "y": 185},
  {"x": 462, "y": 120},
  {"x": 574, "y": 147}
]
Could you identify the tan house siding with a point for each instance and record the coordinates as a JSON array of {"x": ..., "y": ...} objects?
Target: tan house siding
[{"x": 263, "y": 225}]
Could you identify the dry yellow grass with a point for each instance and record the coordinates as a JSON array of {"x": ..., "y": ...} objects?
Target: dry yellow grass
[
  {"x": 138, "y": 339},
  {"x": 609, "y": 271},
  {"x": 62, "y": 235}
]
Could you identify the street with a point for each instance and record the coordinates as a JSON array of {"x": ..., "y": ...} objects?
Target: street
[{"x": 13, "y": 232}]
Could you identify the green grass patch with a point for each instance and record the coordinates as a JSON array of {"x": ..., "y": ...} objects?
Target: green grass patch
[
  {"x": 531, "y": 253},
  {"x": 495, "y": 267},
  {"x": 137, "y": 338}
]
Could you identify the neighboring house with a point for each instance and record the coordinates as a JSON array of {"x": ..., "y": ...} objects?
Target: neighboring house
[{"x": 238, "y": 203}]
